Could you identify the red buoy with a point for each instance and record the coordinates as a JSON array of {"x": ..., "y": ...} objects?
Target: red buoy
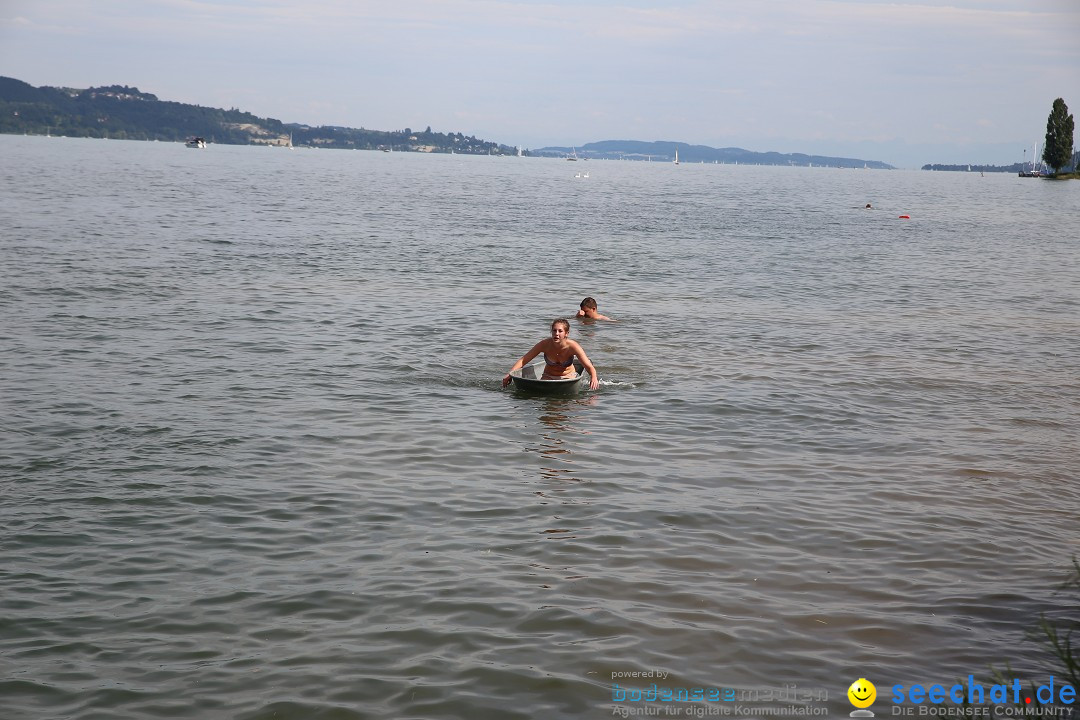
[{"x": 905, "y": 217}]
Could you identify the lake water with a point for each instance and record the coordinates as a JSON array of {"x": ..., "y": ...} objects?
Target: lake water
[{"x": 257, "y": 463}]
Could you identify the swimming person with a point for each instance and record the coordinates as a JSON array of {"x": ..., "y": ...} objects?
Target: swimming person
[
  {"x": 559, "y": 351},
  {"x": 588, "y": 310}
]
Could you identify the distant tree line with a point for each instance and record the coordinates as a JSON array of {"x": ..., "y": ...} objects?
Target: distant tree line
[
  {"x": 125, "y": 113},
  {"x": 345, "y": 138},
  {"x": 1014, "y": 168}
]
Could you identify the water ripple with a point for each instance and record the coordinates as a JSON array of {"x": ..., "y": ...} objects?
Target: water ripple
[{"x": 258, "y": 463}]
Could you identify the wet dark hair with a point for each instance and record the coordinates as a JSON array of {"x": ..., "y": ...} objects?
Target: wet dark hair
[
  {"x": 588, "y": 304},
  {"x": 561, "y": 321}
]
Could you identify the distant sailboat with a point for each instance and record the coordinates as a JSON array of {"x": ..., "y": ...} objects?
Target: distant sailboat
[
  {"x": 1034, "y": 171},
  {"x": 676, "y": 156}
]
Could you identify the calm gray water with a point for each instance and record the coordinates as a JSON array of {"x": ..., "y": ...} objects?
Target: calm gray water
[{"x": 256, "y": 460}]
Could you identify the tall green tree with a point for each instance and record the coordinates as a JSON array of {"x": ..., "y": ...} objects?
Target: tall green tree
[{"x": 1059, "y": 136}]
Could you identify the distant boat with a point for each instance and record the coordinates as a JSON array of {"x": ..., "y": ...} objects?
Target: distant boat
[
  {"x": 196, "y": 142},
  {"x": 676, "y": 156},
  {"x": 1035, "y": 171},
  {"x": 572, "y": 157}
]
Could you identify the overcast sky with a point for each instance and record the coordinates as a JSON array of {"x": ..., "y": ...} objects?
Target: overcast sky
[{"x": 903, "y": 82}]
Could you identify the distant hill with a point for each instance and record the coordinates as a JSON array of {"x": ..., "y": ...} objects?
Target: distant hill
[
  {"x": 664, "y": 151},
  {"x": 121, "y": 112}
]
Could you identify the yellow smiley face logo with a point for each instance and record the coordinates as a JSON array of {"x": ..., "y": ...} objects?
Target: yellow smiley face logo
[{"x": 862, "y": 693}]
